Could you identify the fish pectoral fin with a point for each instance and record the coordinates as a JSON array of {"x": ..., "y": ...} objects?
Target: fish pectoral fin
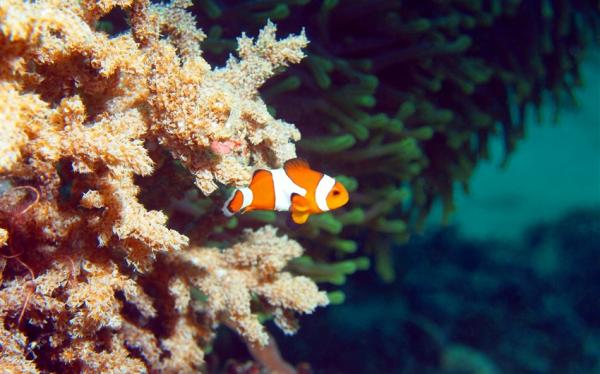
[
  {"x": 299, "y": 209},
  {"x": 299, "y": 203},
  {"x": 299, "y": 217}
]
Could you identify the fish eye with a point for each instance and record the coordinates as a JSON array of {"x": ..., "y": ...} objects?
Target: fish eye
[{"x": 336, "y": 192}]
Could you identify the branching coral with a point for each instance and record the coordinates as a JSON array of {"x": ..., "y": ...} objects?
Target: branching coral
[
  {"x": 232, "y": 278},
  {"x": 91, "y": 279}
]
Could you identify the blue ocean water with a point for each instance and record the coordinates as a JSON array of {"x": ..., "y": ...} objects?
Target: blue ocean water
[{"x": 555, "y": 169}]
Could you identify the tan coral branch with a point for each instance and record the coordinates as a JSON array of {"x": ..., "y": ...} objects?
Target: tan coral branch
[{"x": 85, "y": 116}]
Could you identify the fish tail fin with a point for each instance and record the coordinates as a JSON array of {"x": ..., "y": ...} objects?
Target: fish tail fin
[{"x": 233, "y": 204}]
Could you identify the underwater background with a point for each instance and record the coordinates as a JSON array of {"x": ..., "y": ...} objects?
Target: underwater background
[
  {"x": 467, "y": 133},
  {"x": 509, "y": 283}
]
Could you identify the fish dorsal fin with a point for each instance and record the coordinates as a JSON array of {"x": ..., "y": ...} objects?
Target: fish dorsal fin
[
  {"x": 235, "y": 202},
  {"x": 300, "y": 173},
  {"x": 299, "y": 203},
  {"x": 258, "y": 175},
  {"x": 300, "y": 217},
  {"x": 258, "y": 172},
  {"x": 295, "y": 163}
]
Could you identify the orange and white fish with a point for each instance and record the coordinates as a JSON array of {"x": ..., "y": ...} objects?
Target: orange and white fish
[{"x": 295, "y": 187}]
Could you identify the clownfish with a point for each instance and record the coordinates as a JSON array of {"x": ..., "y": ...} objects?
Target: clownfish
[{"x": 295, "y": 187}]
